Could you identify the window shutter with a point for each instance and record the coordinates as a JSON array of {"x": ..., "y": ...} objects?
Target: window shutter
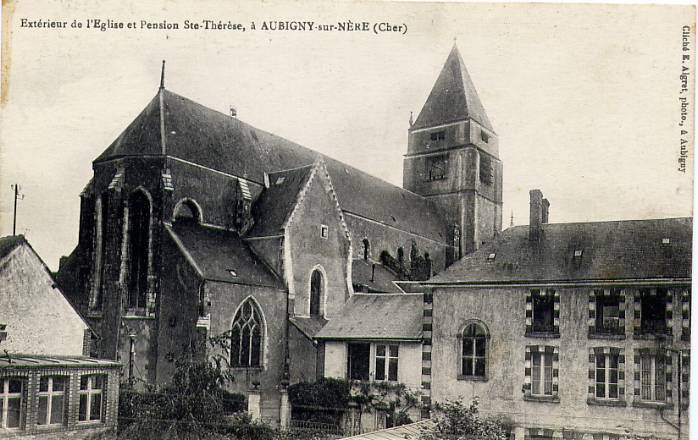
[
  {"x": 591, "y": 322},
  {"x": 529, "y": 312}
]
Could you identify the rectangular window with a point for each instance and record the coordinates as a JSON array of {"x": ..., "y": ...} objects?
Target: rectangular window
[
  {"x": 608, "y": 313},
  {"x": 652, "y": 378},
  {"x": 653, "y": 311},
  {"x": 386, "y": 362},
  {"x": 437, "y": 136},
  {"x": 324, "y": 231},
  {"x": 52, "y": 400},
  {"x": 543, "y": 310},
  {"x": 437, "y": 167},
  {"x": 11, "y": 404},
  {"x": 359, "y": 360},
  {"x": 91, "y": 398},
  {"x": 606, "y": 376},
  {"x": 542, "y": 374}
]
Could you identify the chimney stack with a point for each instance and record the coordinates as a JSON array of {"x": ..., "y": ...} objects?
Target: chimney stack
[
  {"x": 546, "y": 209},
  {"x": 536, "y": 215}
]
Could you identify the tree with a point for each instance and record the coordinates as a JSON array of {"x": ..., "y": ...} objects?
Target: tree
[{"x": 456, "y": 421}]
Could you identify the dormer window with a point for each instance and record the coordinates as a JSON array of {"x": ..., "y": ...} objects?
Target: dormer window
[
  {"x": 578, "y": 253},
  {"x": 666, "y": 241},
  {"x": 280, "y": 180},
  {"x": 491, "y": 256},
  {"x": 232, "y": 273}
]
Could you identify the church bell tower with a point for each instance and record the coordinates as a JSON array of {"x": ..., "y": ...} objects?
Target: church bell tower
[{"x": 453, "y": 158}]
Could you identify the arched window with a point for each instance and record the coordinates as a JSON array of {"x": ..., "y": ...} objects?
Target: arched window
[
  {"x": 102, "y": 219},
  {"x": 246, "y": 337},
  {"x": 187, "y": 211},
  {"x": 315, "y": 292},
  {"x": 474, "y": 351},
  {"x": 138, "y": 242},
  {"x": 367, "y": 248}
]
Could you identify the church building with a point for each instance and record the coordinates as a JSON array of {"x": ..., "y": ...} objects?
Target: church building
[{"x": 197, "y": 224}]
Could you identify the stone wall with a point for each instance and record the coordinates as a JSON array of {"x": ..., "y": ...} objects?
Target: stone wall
[{"x": 503, "y": 312}]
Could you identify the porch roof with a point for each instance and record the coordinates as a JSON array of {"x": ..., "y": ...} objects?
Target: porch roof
[{"x": 381, "y": 316}]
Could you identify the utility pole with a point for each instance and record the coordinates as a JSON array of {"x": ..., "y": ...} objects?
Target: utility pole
[{"x": 19, "y": 196}]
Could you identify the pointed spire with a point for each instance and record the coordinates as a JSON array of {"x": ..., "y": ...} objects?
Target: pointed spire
[
  {"x": 162, "y": 75},
  {"x": 453, "y": 97}
]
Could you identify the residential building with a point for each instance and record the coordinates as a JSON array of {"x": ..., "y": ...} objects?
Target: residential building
[
  {"x": 570, "y": 330},
  {"x": 49, "y": 388}
]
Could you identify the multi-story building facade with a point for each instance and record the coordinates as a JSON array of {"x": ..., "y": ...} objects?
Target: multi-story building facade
[{"x": 570, "y": 330}]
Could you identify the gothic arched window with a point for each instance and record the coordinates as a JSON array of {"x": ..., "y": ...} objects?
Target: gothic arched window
[
  {"x": 138, "y": 243},
  {"x": 315, "y": 292},
  {"x": 246, "y": 337},
  {"x": 474, "y": 351}
]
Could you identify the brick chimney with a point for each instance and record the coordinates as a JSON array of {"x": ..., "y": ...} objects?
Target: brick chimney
[
  {"x": 535, "y": 222},
  {"x": 546, "y": 209}
]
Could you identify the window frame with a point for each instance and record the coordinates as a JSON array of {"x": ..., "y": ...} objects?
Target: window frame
[
  {"x": 387, "y": 358},
  {"x": 607, "y": 369},
  {"x": 654, "y": 386},
  {"x": 485, "y": 337},
  {"x": 542, "y": 378},
  {"x": 5, "y": 396},
  {"x": 373, "y": 356},
  {"x": 597, "y": 300},
  {"x": 49, "y": 394},
  {"x": 554, "y": 330},
  {"x": 90, "y": 392},
  {"x": 256, "y": 311}
]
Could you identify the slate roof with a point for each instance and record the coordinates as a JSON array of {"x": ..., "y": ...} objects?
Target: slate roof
[
  {"x": 216, "y": 252},
  {"x": 453, "y": 97},
  {"x": 362, "y": 272},
  {"x": 207, "y": 137},
  {"x": 275, "y": 204},
  {"x": 40, "y": 361},
  {"x": 308, "y": 326},
  {"x": 614, "y": 250},
  {"x": 380, "y": 316},
  {"x": 7, "y": 244}
]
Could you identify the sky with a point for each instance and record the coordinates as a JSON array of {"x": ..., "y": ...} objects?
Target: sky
[{"x": 584, "y": 98}]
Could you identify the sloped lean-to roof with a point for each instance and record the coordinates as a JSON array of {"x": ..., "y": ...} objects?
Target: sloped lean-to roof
[
  {"x": 613, "y": 250},
  {"x": 373, "y": 276},
  {"x": 380, "y": 316},
  {"x": 221, "y": 256},
  {"x": 453, "y": 97},
  {"x": 212, "y": 139}
]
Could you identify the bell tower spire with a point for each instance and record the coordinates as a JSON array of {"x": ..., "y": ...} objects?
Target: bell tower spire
[{"x": 453, "y": 156}]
